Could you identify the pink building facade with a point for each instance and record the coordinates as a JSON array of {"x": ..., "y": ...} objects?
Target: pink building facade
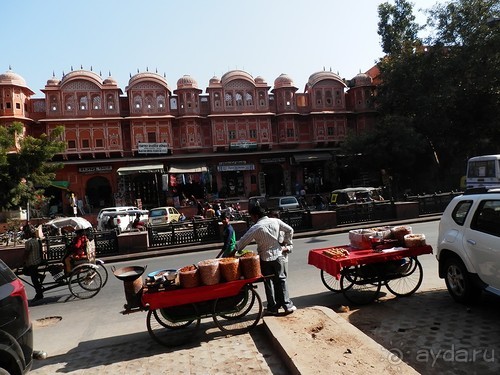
[{"x": 152, "y": 145}]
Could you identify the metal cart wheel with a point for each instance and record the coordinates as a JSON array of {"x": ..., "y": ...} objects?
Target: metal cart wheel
[
  {"x": 167, "y": 331},
  {"x": 103, "y": 272},
  {"x": 409, "y": 280},
  {"x": 84, "y": 281},
  {"x": 244, "y": 314},
  {"x": 361, "y": 284},
  {"x": 331, "y": 282}
]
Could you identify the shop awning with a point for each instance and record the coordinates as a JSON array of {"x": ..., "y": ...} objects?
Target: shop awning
[
  {"x": 320, "y": 156},
  {"x": 60, "y": 184},
  {"x": 157, "y": 168},
  {"x": 187, "y": 168}
]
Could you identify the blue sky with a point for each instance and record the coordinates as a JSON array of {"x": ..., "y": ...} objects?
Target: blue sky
[{"x": 201, "y": 38}]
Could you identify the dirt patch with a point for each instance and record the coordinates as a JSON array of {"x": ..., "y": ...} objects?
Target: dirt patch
[
  {"x": 46, "y": 322},
  {"x": 318, "y": 341}
]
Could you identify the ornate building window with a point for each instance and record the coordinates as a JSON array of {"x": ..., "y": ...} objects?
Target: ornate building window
[
  {"x": 151, "y": 137},
  {"x": 328, "y": 98},
  {"x": 330, "y": 131},
  {"x": 262, "y": 98},
  {"x": 318, "y": 97},
  {"x": 96, "y": 102},
  {"x": 239, "y": 99},
  {"x": 231, "y": 134},
  {"x": 217, "y": 99},
  {"x": 111, "y": 102},
  {"x": 160, "y": 102},
  {"x": 69, "y": 105},
  {"x": 137, "y": 103},
  {"x": 173, "y": 103},
  {"x": 71, "y": 145},
  {"x": 229, "y": 99},
  {"x": 248, "y": 98},
  {"x": 252, "y": 133},
  {"x": 290, "y": 133},
  {"x": 53, "y": 103},
  {"x": 99, "y": 143},
  {"x": 288, "y": 100},
  {"x": 148, "y": 101},
  {"x": 85, "y": 143},
  {"x": 84, "y": 103}
]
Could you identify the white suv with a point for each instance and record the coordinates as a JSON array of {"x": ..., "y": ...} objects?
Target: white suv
[
  {"x": 469, "y": 245},
  {"x": 102, "y": 218}
]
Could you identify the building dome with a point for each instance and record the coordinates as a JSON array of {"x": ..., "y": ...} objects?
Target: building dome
[
  {"x": 214, "y": 81},
  {"x": 53, "y": 81},
  {"x": 236, "y": 74},
  {"x": 146, "y": 76},
  {"x": 187, "y": 82},
  {"x": 11, "y": 78},
  {"x": 284, "y": 80},
  {"x": 110, "y": 81},
  {"x": 321, "y": 76},
  {"x": 260, "y": 80},
  {"x": 362, "y": 79}
]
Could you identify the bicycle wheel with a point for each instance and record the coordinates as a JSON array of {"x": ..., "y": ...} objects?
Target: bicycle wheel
[
  {"x": 103, "y": 272},
  {"x": 331, "y": 282},
  {"x": 410, "y": 278},
  {"x": 174, "y": 318},
  {"x": 169, "y": 332},
  {"x": 360, "y": 285},
  {"x": 84, "y": 281},
  {"x": 241, "y": 317}
]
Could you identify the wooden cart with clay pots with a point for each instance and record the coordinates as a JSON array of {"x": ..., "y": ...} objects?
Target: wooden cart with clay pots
[{"x": 174, "y": 313}]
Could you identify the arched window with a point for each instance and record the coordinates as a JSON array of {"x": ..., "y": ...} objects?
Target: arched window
[
  {"x": 69, "y": 103},
  {"x": 228, "y": 99},
  {"x": 111, "y": 102},
  {"x": 217, "y": 99},
  {"x": 160, "y": 102},
  {"x": 84, "y": 103},
  {"x": 328, "y": 98},
  {"x": 148, "y": 101},
  {"x": 248, "y": 98},
  {"x": 96, "y": 102},
  {"x": 53, "y": 103},
  {"x": 137, "y": 103},
  {"x": 318, "y": 97},
  {"x": 262, "y": 98},
  {"x": 239, "y": 99}
]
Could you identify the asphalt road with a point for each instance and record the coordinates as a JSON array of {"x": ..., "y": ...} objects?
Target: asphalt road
[{"x": 420, "y": 330}]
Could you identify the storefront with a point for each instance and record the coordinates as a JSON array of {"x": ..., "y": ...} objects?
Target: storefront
[
  {"x": 187, "y": 180},
  {"x": 232, "y": 176},
  {"x": 140, "y": 186},
  {"x": 311, "y": 167}
]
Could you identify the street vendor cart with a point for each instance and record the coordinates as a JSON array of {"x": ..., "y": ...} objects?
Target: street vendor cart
[
  {"x": 174, "y": 313},
  {"x": 359, "y": 273}
]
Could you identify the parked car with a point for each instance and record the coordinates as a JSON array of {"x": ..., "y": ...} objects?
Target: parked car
[
  {"x": 288, "y": 202},
  {"x": 123, "y": 220},
  {"x": 16, "y": 332},
  {"x": 355, "y": 195},
  {"x": 468, "y": 248},
  {"x": 163, "y": 215},
  {"x": 102, "y": 217}
]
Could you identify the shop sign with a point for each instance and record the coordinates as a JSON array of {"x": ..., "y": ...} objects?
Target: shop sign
[
  {"x": 236, "y": 167},
  {"x": 243, "y": 145},
  {"x": 152, "y": 148},
  {"x": 272, "y": 161},
  {"x": 98, "y": 169}
]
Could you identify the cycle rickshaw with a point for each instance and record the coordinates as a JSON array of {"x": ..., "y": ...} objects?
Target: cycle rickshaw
[{"x": 87, "y": 275}]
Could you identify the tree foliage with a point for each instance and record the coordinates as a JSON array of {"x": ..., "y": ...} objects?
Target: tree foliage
[
  {"x": 25, "y": 172},
  {"x": 445, "y": 92}
]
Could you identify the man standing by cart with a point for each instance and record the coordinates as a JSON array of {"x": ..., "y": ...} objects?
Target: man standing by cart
[
  {"x": 266, "y": 233},
  {"x": 32, "y": 259}
]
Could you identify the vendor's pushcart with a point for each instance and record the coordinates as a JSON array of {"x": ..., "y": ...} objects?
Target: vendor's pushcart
[
  {"x": 360, "y": 274},
  {"x": 174, "y": 314}
]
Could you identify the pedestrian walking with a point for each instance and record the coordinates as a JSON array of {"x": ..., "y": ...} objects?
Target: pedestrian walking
[{"x": 229, "y": 236}]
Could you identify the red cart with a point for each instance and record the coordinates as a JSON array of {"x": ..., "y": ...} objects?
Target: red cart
[
  {"x": 174, "y": 314},
  {"x": 360, "y": 275}
]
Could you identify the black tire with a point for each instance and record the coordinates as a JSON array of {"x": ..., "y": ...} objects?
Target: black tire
[
  {"x": 361, "y": 284},
  {"x": 242, "y": 316},
  {"x": 408, "y": 281},
  {"x": 170, "y": 332},
  {"x": 330, "y": 282},
  {"x": 84, "y": 281},
  {"x": 459, "y": 282}
]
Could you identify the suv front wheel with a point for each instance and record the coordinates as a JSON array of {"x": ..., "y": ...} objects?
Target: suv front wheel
[{"x": 459, "y": 282}]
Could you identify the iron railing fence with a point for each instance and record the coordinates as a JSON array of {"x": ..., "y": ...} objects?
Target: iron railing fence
[{"x": 186, "y": 232}]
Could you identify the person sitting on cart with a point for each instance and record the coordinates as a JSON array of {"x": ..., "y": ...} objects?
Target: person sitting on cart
[
  {"x": 76, "y": 250},
  {"x": 32, "y": 260}
]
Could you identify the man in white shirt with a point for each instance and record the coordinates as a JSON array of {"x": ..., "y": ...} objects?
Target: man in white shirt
[{"x": 266, "y": 233}]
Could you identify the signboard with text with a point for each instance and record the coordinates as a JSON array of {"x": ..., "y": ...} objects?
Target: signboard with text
[{"x": 152, "y": 148}]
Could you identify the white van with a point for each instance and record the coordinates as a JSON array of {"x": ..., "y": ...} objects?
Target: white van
[{"x": 102, "y": 218}]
